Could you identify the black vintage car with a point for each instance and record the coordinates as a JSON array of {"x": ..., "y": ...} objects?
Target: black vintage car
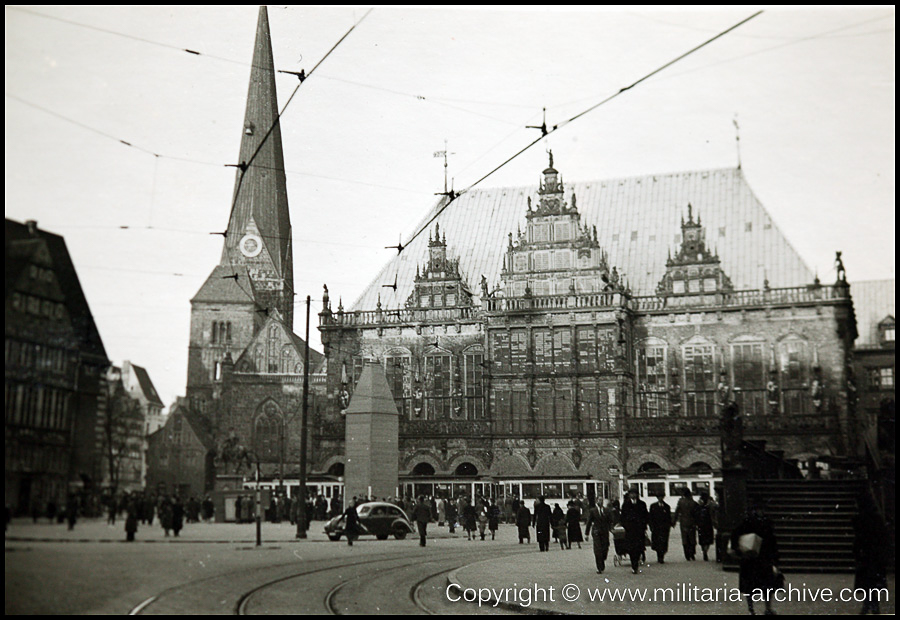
[{"x": 376, "y": 518}]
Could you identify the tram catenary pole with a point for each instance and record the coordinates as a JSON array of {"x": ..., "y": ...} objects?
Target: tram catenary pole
[{"x": 302, "y": 525}]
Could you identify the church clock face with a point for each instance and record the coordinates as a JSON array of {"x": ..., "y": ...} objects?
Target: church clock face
[{"x": 251, "y": 245}]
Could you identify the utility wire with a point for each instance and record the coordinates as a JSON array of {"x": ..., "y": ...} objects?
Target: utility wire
[{"x": 546, "y": 133}]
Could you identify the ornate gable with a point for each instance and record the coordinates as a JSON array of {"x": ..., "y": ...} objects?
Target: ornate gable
[
  {"x": 439, "y": 283},
  {"x": 273, "y": 350},
  {"x": 695, "y": 271},
  {"x": 556, "y": 254}
]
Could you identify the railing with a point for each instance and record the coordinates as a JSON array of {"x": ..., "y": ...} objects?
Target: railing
[
  {"x": 733, "y": 299},
  {"x": 397, "y": 317},
  {"x": 554, "y": 302},
  {"x": 754, "y": 297},
  {"x": 752, "y": 424},
  {"x": 444, "y": 427}
]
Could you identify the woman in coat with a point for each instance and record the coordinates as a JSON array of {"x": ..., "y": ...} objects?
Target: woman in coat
[
  {"x": 131, "y": 521},
  {"x": 165, "y": 515},
  {"x": 177, "y": 516},
  {"x": 573, "y": 525},
  {"x": 469, "y": 516}
]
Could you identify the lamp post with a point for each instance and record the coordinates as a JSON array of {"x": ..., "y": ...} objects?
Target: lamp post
[
  {"x": 302, "y": 525},
  {"x": 254, "y": 456}
]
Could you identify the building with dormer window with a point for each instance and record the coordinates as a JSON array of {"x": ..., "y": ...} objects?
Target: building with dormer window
[{"x": 607, "y": 325}]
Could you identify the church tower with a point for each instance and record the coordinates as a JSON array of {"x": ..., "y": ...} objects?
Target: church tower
[{"x": 254, "y": 278}]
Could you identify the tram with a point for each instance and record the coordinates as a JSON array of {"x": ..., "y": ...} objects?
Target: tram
[
  {"x": 554, "y": 490},
  {"x": 651, "y": 483},
  {"x": 327, "y": 486}
]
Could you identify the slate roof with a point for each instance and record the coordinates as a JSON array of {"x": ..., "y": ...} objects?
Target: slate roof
[
  {"x": 222, "y": 287},
  {"x": 638, "y": 222},
  {"x": 873, "y": 301},
  {"x": 147, "y": 386},
  {"x": 17, "y": 234},
  {"x": 260, "y": 193}
]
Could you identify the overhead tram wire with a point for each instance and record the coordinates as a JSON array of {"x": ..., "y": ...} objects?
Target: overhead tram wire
[{"x": 552, "y": 130}]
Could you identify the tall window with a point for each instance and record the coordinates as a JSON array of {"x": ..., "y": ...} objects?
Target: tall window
[
  {"x": 267, "y": 433},
  {"x": 500, "y": 350},
  {"x": 399, "y": 378},
  {"x": 749, "y": 377},
  {"x": 273, "y": 349},
  {"x": 438, "y": 388},
  {"x": 606, "y": 348},
  {"x": 518, "y": 350},
  {"x": 543, "y": 349},
  {"x": 501, "y": 403},
  {"x": 521, "y": 412},
  {"x": 699, "y": 380},
  {"x": 793, "y": 376},
  {"x": 562, "y": 406},
  {"x": 652, "y": 381},
  {"x": 587, "y": 349},
  {"x": 562, "y": 349},
  {"x": 474, "y": 369},
  {"x": 543, "y": 402}
]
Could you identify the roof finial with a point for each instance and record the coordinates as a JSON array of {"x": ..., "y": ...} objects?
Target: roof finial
[
  {"x": 551, "y": 157},
  {"x": 737, "y": 139}
]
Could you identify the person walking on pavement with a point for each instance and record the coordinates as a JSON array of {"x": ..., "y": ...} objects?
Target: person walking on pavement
[
  {"x": 351, "y": 523},
  {"x": 660, "y": 526},
  {"x": 131, "y": 521},
  {"x": 573, "y": 525},
  {"x": 558, "y": 521},
  {"x": 165, "y": 515},
  {"x": 442, "y": 512},
  {"x": 684, "y": 513},
  {"x": 754, "y": 542},
  {"x": 469, "y": 517},
  {"x": 523, "y": 522},
  {"x": 493, "y": 519},
  {"x": 482, "y": 518},
  {"x": 541, "y": 519},
  {"x": 177, "y": 516},
  {"x": 703, "y": 518},
  {"x": 422, "y": 515},
  {"x": 634, "y": 519},
  {"x": 599, "y": 524}
]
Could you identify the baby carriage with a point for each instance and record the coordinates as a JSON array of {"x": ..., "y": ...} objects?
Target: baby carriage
[{"x": 620, "y": 557}]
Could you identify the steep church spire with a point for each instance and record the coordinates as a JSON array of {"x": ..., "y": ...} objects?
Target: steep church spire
[{"x": 259, "y": 226}]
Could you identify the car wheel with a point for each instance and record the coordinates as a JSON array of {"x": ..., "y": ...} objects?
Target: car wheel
[
  {"x": 334, "y": 537},
  {"x": 399, "y": 534},
  {"x": 382, "y": 537}
]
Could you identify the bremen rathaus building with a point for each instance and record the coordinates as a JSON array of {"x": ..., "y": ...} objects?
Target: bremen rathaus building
[{"x": 590, "y": 330}]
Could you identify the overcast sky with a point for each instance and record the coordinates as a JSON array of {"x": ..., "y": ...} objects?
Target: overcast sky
[{"x": 813, "y": 91}]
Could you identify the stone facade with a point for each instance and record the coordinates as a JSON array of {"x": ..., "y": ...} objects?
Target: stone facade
[
  {"x": 55, "y": 372},
  {"x": 561, "y": 370}
]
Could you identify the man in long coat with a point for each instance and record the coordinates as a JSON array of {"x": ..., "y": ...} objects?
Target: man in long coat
[
  {"x": 599, "y": 524},
  {"x": 542, "y": 514},
  {"x": 634, "y": 519},
  {"x": 660, "y": 525},
  {"x": 422, "y": 515},
  {"x": 684, "y": 513},
  {"x": 523, "y": 522}
]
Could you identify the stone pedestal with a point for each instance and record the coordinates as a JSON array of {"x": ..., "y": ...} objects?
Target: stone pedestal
[{"x": 372, "y": 438}]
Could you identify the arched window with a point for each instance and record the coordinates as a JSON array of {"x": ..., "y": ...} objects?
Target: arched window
[
  {"x": 423, "y": 469},
  {"x": 466, "y": 469},
  {"x": 268, "y": 432},
  {"x": 649, "y": 466},
  {"x": 749, "y": 374},
  {"x": 286, "y": 359},
  {"x": 700, "y": 466},
  {"x": 336, "y": 470}
]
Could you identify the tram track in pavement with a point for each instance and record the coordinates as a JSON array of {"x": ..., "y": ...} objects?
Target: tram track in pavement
[{"x": 374, "y": 583}]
